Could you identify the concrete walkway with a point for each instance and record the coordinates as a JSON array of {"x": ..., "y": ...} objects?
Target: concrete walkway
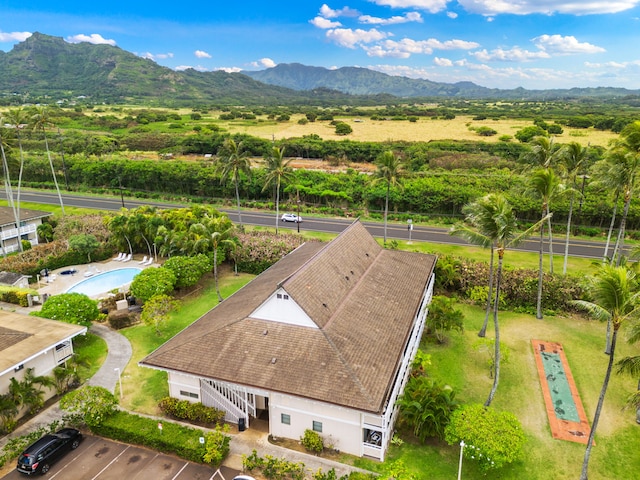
[{"x": 242, "y": 443}]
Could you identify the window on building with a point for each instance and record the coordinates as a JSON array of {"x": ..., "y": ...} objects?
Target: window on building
[
  {"x": 317, "y": 426},
  {"x": 285, "y": 418},
  {"x": 184, "y": 393}
]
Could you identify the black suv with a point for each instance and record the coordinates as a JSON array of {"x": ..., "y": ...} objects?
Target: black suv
[{"x": 39, "y": 456}]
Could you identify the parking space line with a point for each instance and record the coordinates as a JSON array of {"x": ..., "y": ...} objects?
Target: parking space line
[
  {"x": 180, "y": 471},
  {"x": 111, "y": 462}
]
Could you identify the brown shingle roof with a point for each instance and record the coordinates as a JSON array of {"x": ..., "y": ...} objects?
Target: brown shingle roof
[
  {"x": 7, "y": 218},
  {"x": 23, "y": 336},
  {"x": 363, "y": 299}
]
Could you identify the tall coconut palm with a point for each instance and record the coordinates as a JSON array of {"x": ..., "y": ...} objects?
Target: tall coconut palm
[
  {"x": 221, "y": 240},
  {"x": 501, "y": 230},
  {"x": 41, "y": 120},
  {"x": 573, "y": 158},
  {"x": 6, "y": 177},
  {"x": 631, "y": 366},
  {"x": 626, "y": 155},
  {"x": 479, "y": 215},
  {"x": 389, "y": 171},
  {"x": 614, "y": 290},
  {"x": 17, "y": 119},
  {"x": 234, "y": 161},
  {"x": 278, "y": 171},
  {"x": 546, "y": 185},
  {"x": 543, "y": 152},
  {"x": 607, "y": 175}
]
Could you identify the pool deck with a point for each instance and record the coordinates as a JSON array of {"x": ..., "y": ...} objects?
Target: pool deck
[
  {"x": 561, "y": 429},
  {"x": 57, "y": 283}
]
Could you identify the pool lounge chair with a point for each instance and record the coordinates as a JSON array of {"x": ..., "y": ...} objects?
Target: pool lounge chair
[
  {"x": 127, "y": 258},
  {"x": 120, "y": 256},
  {"x": 148, "y": 262},
  {"x": 143, "y": 261}
]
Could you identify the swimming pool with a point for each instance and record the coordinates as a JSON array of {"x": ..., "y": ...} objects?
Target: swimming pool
[{"x": 105, "y": 282}]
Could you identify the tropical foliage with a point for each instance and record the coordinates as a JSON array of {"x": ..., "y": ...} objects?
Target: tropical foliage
[{"x": 71, "y": 308}]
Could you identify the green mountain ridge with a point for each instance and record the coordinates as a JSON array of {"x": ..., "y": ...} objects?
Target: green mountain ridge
[{"x": 45, "y": 66}]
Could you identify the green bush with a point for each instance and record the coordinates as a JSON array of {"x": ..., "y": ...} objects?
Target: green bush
[
  {"x": 194, "y": 412},
  {"x": 172, "y": 438},
  {"x": 312, "y": 441},
  {"x": 276, "y": 468},
  {"x": 492, "y": 438},
  {"x": 71, "y": 308},
  {"x": 16, "y": 295}
]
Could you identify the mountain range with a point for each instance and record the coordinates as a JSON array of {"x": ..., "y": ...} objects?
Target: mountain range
[{"x": 47, "y": 66}]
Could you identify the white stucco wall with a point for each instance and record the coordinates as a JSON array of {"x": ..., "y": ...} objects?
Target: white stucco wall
[
  {"x": 341, "y": 427},
  {"x": 179, "y": 382}
]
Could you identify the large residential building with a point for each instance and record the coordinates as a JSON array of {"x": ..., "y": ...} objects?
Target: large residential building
[
  {"x": 322, "y": 340},
  {"x": 28, "y": 342},
  {"x": 10, "y": 234}
]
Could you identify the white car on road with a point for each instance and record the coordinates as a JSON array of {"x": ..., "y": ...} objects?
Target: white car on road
[{"x": 291, "y": 217}]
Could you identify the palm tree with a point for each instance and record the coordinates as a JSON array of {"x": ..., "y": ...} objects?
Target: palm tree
[
  {"x": 221, "y": 239},
  {"x": 546, "y": 185},
  {"x": 480, "y": 215},
  {"x": 572, "y": 160},
  {"x": 40, "y": 122},
  {"x": 626, "y": 155},
  {"x": 7, "y": 182},
  {"x": 502, "y": 224},
  {"x": 278, "y": 171},
  {"x": 631, "y": 365},
  {"x": 17, "y": 118},
  {"x": 614, "y": 290},
  {"x": 235, "y": 160},
  {"x": 389, "y": 171},
  {"x": 543, "y": 152},
  {"x": 610, "y": 178}
]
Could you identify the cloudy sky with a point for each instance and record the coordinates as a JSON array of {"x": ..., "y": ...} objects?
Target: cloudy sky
[{"x": 535, "y": 44}]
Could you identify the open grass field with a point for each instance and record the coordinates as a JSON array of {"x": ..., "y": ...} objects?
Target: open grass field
[{"x": 424, "y": 130}]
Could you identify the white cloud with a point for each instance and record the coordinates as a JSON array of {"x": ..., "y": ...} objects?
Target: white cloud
[
  {"x": 407, "y": 17},
  {"x": 181, "y": 68},
  {"x": 548, "y": 7},
  {"x": 228, "y": 69},
  {"x": 14, "y": 36},
  {"x": 346, "y": 37},
  {"x": 564, "y": 45},
  {"x": 94, "y": 38},
  {"x": 443, "y": 62},
  {"x": 616, "y": 65},
  {"x": 324, "y": 23},
  {"x": 452, "y": 15},
  {"x": 327, "y": 12},
  {"x": 156, "y": 56},
  {"x": 201, "y": 54},
  {"x": 407, "y": 47},
  {"x": 263, "y": 62},
  {"x": 432, "y": 6},
  {"x": 514, "y": 54}
]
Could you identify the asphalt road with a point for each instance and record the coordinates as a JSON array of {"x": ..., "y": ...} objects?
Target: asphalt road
[{"x": 577, "y": 248}]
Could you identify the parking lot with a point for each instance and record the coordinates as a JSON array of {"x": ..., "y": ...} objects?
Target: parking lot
[{"x": 100, "y": 459}]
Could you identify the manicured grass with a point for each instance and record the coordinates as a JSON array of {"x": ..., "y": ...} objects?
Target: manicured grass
[
  {"x": 90, "y": 353},
  {"x": 461, "y": 365},
  {"x": 144, "y": 387}
]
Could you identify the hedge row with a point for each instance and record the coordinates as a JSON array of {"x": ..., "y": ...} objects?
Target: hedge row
[
  {"x": 171, "y": 438},
  {"x": 194, "y": 412},
  {"x": 16, "y": 295}
]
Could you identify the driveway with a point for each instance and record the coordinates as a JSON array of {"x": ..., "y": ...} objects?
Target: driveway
[{"x": 100, "y": 459}]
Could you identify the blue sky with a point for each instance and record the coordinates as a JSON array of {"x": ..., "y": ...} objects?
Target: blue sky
[{"x": 535, "y": 44}]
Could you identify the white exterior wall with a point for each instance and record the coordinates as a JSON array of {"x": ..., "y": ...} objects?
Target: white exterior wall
[
  {"x": 341, "y": 427},
  {"x": 281, "y": 308},
  {"x": 179, "y": 382}
]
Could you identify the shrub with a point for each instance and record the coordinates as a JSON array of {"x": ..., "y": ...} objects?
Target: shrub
[
  {"x": 188, "y": 270},
  {"x": 71, "y": 308},
  {"x": 271, "y": 467},
  {"x": 195, "y": 412},
  {"x": 312, "y": 441},
  {"x": 492, "y": 438},
  {"x": 92, "y": 405},
  {"x": 259, "y": 249},
  {"x": 16, "y": 295},
  {"x": 171, "y": 438},
  {"x": 151, "y": 282}
]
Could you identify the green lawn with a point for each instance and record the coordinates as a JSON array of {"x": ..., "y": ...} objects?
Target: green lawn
[{"x": 90, "y": 353}]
